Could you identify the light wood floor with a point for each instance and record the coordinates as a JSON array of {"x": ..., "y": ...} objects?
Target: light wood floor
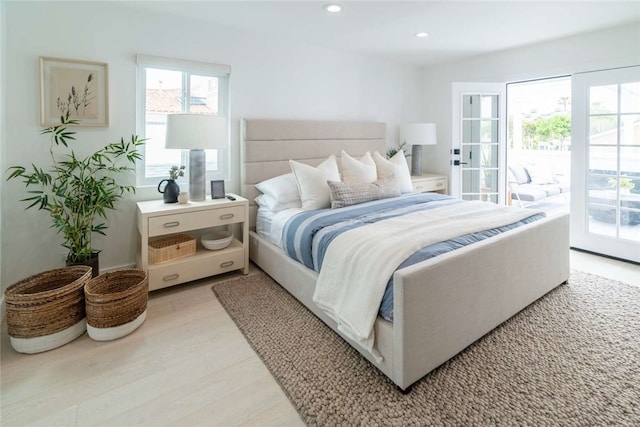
[{"x": 187, "y": 365}]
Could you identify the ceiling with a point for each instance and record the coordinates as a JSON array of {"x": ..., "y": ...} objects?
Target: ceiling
[{"x": 457, "y": 29}]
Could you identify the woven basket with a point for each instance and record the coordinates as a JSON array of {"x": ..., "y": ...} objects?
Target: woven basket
[
  {"x": 116, "y": 303},
  {"x": 47, "y": 310},
  {"x": 171, "y": 247}
]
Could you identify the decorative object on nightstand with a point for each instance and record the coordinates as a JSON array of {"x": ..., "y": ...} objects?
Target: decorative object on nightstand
[
  {"x": 401, "y": 147},
  {"x": 216, "y": 240},
  {"x": 196, "y": 132},
  {"x": 183, "y": 197},
  {"x": 171, "y": 190},
  {"x": 217, "y": 189},
  {"x": 417, "y": 135},
  {"x": 167, "y": 248}
]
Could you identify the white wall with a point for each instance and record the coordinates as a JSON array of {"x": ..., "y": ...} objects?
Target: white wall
[
  {"x": 599, "y": 50},
  {"x": 269, "y": 79},
  {"x": 3, "y": 104}
]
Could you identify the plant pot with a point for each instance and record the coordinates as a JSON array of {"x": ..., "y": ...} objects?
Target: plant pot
[
  {"x": 170, "y": 192},
  {"x": 93, "y": 262}
]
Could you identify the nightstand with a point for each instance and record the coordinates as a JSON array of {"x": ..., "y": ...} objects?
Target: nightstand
[
  {"x": 156, "y": 218},
  {"x": 430, "y": 182}
]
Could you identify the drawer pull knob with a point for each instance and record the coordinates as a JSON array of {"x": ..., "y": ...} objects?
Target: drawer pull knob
[
  {"x": 226, "y": 264},
  {"x": 226, "y": 216},
  {"x": 170, "y": 277},
  {"x": 440, "y": 184},
  {"x": 171, "y": 224}
]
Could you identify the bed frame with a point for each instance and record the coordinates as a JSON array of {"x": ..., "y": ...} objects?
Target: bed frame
[{"x": 441, "y": 305}]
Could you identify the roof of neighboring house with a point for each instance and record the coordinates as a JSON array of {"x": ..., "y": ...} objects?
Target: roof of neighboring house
[
  {"x": 610, "y": 137},
  {"x": 170, "y": 101}
]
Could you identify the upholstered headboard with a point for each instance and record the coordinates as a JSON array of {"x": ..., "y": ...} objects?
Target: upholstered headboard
[{"x": 267, "y": 146}]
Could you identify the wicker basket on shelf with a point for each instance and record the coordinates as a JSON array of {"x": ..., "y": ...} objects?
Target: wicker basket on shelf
[
  {"x": 171, "y": 247},
  {"x": 116, "y": 303},
  {"x": 47, "y": 310}
]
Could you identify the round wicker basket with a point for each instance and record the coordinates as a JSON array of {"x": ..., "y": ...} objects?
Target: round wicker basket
[
  {"x": 47, "y": 310},
  {"x": 116, "y": 303}
]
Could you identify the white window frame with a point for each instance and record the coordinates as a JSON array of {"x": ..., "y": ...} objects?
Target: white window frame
[{"x": 222, "y": 72}]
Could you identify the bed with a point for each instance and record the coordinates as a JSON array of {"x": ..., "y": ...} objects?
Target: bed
[{"x": 441, "y": 305}]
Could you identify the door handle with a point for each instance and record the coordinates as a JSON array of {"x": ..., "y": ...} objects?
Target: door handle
[{"x": 458, "y": 163}]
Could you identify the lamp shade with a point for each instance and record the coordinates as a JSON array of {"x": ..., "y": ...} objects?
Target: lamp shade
[
  {"x": 418, "y": 133},
  {"x": 196, "y": 131}
]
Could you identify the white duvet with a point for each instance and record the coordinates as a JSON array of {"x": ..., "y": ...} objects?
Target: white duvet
[{"x": 359, "y": 262}]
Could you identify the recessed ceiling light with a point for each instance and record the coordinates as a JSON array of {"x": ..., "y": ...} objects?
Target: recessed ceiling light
[
  {"x": 333, "y": 8},
  {"x": 422, "y": 34}
]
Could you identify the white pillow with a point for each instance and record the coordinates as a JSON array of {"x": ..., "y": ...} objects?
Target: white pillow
[
  {"x": 279, "y": 193},
  {"x": 395, "y": 169},
  {"x": 355, "y": 171},
  {"x": 312, "y": 182},
  {"x": 540, "y": 175}
]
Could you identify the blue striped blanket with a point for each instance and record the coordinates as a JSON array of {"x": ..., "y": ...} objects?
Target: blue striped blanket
[{"x": 307, "y": 236}]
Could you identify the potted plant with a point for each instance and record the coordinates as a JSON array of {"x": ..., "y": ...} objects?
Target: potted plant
[
  {"x": 401, "y": 147},
  {"x": 171, "y": 190},
  {"x": 626, "y": 185},
  {"x": 77, "y": 191}
]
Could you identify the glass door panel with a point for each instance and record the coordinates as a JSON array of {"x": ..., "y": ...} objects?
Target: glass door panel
[
  {"x": 607, "y": 211},
  {"x": 477, "y": 149},
  {"x": 480, "y": 139}
]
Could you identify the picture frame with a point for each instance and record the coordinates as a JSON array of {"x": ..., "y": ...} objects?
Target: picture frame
[
  {"x": 217, "y": 189},
  {"x": 78, "y": 87}
]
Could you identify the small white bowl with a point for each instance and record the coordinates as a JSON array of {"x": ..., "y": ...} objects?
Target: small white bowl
[{"x": 216, "y": 240}]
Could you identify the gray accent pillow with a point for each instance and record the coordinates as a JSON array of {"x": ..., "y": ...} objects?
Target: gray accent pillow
[{"x": 343, "y": 194}]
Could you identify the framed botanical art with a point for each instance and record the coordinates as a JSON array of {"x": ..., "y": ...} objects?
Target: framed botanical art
[{"x": 74, "y": 87}]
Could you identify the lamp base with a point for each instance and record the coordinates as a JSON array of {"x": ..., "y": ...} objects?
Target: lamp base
[
  {"x": 197, "y": 175},
  {"x": 416, "y": 160}
]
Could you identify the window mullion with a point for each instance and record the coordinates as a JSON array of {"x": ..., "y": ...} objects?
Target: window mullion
[
  {"x": 186, "y": 101},
  {"x": 186, "y": 90}
]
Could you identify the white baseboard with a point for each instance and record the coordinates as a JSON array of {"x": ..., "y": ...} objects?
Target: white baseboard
[{"x": 121, "y": 267}]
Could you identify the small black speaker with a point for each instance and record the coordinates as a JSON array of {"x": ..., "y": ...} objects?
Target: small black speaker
[{"x": 217, "y": 189}]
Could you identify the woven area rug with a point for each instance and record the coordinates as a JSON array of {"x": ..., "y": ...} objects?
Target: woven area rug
[{"x": 571, "y": 358}]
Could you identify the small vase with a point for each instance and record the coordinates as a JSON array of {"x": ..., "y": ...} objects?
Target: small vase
[
  {"x": 183, "y": 197},
  {"x": 170, "y": 192}
]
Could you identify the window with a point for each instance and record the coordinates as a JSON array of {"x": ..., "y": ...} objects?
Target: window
[{"x": 167, "y": 86}]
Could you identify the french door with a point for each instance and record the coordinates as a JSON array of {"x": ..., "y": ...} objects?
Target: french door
[
  {"x": 478, "y": 142},
  {"x": 605, "y": 158}
]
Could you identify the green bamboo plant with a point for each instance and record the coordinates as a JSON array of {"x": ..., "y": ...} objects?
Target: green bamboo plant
[{"x": 77, "y": 191}]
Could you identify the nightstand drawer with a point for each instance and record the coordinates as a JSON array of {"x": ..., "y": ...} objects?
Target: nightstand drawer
[
  {"x": 177, "y": 223},
  {"x": 202, "y": 264},
  {"x": 430, "y": 185}
]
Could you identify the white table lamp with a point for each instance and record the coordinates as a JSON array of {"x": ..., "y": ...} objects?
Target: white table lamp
[
  {"x": 196, "y": 132},
  {"x": 417, "y": 135}
]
